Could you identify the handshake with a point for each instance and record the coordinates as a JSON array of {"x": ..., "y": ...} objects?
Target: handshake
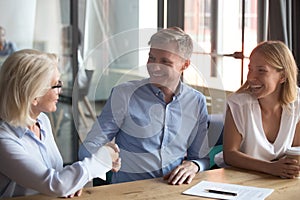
[
  {"x": 114, "y": 151},
  {"x": 108, "y": 156}
]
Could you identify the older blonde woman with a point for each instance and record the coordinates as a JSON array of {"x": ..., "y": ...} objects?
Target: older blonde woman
[
  {"x": 262, "y": 118},
  {"x": 30, "y": 160}
]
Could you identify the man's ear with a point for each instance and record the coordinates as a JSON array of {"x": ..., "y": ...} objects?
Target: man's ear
[{"x": 186, "y": 64}]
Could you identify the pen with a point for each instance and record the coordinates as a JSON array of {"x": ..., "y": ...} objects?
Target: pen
[{"x": 221, "y": 192}]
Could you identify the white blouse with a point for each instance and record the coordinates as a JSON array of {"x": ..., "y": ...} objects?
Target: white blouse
[{"x": 246, "y": 114}]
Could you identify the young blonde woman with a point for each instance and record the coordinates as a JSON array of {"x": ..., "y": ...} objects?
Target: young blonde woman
[{"x": 262, "y": 118}]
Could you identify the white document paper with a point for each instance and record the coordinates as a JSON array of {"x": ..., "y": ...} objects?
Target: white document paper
[{"x": 242, "y": 192}]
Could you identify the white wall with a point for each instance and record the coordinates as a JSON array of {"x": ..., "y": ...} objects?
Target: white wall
[
  {"x": 32, "y": 23},
  {"x": 18, "y": 18}
]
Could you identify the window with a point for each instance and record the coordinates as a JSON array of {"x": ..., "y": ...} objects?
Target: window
[
  {"x": 217, "y": 29},
  {"x": 116, "y": 34}
]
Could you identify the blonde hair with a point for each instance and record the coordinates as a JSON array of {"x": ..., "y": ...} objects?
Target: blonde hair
[
  {"x": 279, "y": 56},
  {"x": 24, "y": 76}
]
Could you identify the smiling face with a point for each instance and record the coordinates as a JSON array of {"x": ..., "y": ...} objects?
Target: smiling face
[
  {"x": 264, "y": 80},
  {"x": 165, "y": 67},
  {"x": 47, "y": 103}
]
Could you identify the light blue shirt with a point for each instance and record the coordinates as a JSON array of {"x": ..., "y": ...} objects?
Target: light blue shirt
[
  {"x": 30, "y": 165},
  {"x": 154, "y": 137}
]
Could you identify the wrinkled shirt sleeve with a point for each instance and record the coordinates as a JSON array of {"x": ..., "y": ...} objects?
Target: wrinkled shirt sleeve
[{"x": 31, "y": 166}]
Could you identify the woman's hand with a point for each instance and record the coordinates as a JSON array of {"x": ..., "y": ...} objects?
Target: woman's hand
[
  {"x": 76, "y": 194},
  {"x": 285, "y": 168}
]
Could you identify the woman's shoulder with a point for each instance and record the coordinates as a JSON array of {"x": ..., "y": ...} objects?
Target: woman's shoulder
[
  {"x": 11, "y": 132},
  {"x": 241, "y": 98},
  {"x": 297, "y": 100},
  {"x": 298, "y": 93},
  {"x": 4, "y": 129}
]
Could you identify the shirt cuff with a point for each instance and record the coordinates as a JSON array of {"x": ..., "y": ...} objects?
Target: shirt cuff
[
  {"x": 98, "y": 164},
  {"x": 197, "y": 164},
  {"x": 201, "y": 165}
]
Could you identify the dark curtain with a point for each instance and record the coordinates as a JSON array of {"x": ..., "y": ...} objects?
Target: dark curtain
[
  {"x": 296, "y": 31},
  {"x": 175, "y": 13},
  {"x": 280, "y": 21}
]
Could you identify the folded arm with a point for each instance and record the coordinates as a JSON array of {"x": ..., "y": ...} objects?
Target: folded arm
[{"x": 233, "y": 156}]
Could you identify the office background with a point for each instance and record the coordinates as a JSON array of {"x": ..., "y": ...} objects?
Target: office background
[{"x": 112, "y": 35}]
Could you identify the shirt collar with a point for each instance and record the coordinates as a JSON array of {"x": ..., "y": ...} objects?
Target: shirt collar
[
  {"x": 178, "y": 90},
  {"x": 21, "y": 131},
  {"x": 18, "y": 130}
]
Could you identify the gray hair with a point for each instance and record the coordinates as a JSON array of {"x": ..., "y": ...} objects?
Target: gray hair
[{"x": 182, "y": 40}]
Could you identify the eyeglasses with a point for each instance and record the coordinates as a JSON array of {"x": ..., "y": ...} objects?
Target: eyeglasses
[{"x": 58, "y": 86}]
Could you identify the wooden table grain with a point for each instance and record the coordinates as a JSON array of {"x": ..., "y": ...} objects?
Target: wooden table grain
[{"x": 160, "y": 189}]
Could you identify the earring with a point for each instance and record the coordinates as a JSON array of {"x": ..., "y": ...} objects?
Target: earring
[{"x": 35, "y": 101}]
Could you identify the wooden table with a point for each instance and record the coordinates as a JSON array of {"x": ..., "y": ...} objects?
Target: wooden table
[{"x": 159, "y": 189}]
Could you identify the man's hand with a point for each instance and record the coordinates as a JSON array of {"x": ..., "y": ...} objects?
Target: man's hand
[
  {"x": 114, "y": 153},
  {"x": 183, "y": 173}
]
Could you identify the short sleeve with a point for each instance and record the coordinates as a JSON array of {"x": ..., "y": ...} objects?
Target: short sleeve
[{"x": 239, "y": 106}]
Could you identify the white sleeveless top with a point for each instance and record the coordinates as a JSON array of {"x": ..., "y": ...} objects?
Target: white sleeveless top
[{"x": 247, "y": 117}]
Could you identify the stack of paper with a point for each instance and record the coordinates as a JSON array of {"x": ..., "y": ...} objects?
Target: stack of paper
[{"x": 228, "y": 191}]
